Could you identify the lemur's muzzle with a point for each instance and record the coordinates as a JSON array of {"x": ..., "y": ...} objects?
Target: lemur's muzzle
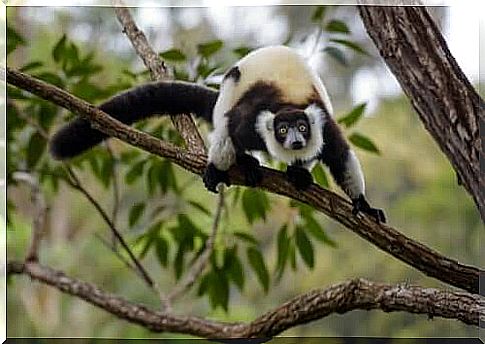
[{"x": 294, "y": 139}]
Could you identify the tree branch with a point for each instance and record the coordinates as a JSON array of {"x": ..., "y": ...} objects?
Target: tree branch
[
  {"x": 339, "y": 298},
  {"x": 76, "y": 184},
  {"x": 40, "y": 208},
  {"x": 383, "y": 236},
  {"x": 415, "y": 51},
  {"x": 183, "y": 123}
]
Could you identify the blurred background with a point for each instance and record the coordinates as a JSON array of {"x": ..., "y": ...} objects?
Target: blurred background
[{"x": 406, "y": 174}]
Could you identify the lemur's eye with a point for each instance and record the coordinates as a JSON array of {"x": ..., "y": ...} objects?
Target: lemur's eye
[
  {"x": 283, "y": 130},
  {"x": 302, "y": 128}
]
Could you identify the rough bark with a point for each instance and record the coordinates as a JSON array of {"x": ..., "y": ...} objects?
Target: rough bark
[
  {"x": 385, "y": 237},
  {"x": 158, "y": 71},
  {"x": 339, "y": 298},
  {"x": 449, "y": 107}
]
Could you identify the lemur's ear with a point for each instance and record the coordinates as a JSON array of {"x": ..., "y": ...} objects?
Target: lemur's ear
[
  {"x": 314, "y": 113},
  {"x": 265, "y": 120}
]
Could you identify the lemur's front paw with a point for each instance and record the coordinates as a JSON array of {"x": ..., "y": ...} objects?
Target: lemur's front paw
[
  {"x": 361, "y": 204},
  {"x": 300, "y": 177},
  {"x": 249, "y": 166},
  {"x": 213, "y": 176}
]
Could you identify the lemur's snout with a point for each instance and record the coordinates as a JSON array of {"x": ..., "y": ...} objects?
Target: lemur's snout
[{"x": 297, "y": 145}]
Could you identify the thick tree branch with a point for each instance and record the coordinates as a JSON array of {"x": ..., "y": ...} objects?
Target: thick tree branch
[
  {"x": 183, "y": 123},
  {"x": 412, "y": 46},
  {"x": 339, "y": 298},
  {"x": 385, "y": 237}
]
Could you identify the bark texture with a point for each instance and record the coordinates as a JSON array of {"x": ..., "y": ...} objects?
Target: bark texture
[
  {"x": 452, "y": 111},
  {"x": 338, "y": 298}
]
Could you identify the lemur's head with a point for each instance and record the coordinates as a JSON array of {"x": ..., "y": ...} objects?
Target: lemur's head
[
  {"x": 292, "y": 128},
  {"x": 292, "y": 132}
]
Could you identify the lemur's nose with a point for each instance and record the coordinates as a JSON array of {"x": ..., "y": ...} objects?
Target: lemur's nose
[{"x": 297, "y": 145}]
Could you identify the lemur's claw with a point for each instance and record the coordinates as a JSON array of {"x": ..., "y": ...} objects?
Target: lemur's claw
[
  {"x": 249, "y": 166},
  {"x": 300, "y": 177},
  {"x": 213, "y": 176},
  {"x": 361, "y": 204}
]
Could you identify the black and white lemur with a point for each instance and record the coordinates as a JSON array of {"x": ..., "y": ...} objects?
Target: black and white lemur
[{"x": 270, "y": 101}]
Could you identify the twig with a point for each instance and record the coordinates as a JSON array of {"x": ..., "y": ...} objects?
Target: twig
[
  {"x": 383, "y": 236},
  {"x": 317, "y": 304},
  {"x": 40, "y": 215},
  {"x": 116, "y": 190},
  {"x": 109, "y": 246},
  {"x": 183, "y": 123},
  {"x": 76, "y": 184},
  {"x": 201, "y": 263}
]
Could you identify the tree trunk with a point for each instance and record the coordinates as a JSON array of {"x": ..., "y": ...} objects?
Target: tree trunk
[{"x": 452, "y": 111}]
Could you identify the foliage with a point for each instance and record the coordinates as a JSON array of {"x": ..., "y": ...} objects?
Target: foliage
[{"x": 175, "y": 236}]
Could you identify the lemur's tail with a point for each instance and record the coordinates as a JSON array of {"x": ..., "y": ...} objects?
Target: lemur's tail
[{"x": 158, "y": 98}]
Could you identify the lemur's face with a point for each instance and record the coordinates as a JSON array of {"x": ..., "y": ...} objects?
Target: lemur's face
[{"x": 292, "y": 128}]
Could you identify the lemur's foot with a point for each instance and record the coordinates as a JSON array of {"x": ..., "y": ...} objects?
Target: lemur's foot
[
  {"x": 249, "y": 166},
  {"x": 361, "y": 204},
  {"x": 213, "y": 176},
  {"x": 300, "y": 177}
]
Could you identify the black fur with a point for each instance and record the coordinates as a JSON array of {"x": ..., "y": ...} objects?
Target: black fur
[
  {"x": 249, "y": 166},
  {"x": 300, "y": 177},
  {"x": 361, "y": 204},
  {"x": 291, "y": 118},
  {"x": 233, "y": 73},
  {"x": 213, "y": 176},
  {"x": 162, "y": 98}
]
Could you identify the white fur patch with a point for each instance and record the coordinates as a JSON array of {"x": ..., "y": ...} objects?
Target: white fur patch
[
  {"x": 221, "y": 151},
  {"x": 264, "y": 127},
  {"x": 354, "y": 184}
]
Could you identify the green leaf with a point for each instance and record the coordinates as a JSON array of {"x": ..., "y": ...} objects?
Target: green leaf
[
  {"x": 255, "y": 204},
  {"x": 174, "y": 55},
  {"x": 161, "y": 249},
  {"x": 337, "y": 54},
  {"x": 59, "y": 49},
  {"x": 51, "y": 78},
  {"x": 135, "y": 213},
  {"x": 200, "y": 207},
  {"x": 364, "y": 143},
  {"x": 13, "y": 40},
  {"x": 31, "y": 66},
  {"x": 317, "y": 231},
  {"x": 319, "y": 14},
  {"x": 135, "y": 172},
  {"x": 246, "y": 237},
  {"x": 242, "y": 51},
  {"x": 233, "y": 267},
  {"x": 354, "y": 46},
  {"x": 35, "y": 148},
  {"x": 179, "y": 261},
  {"x": 320, "y": 176},
  {"x": 337, "y": 26},
  {"x": 219, "y": 290},
  {"x": 209, "y": 48},
  {"x": 304, "y": 246},
  {"x": 353, "y": 116},
  {"x": 283, "y": 243},
  {"x": 257, "y": 263}
]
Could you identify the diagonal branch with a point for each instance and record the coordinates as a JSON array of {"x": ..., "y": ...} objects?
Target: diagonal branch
[
  {"x": 339, "y": 298},
  {"x": 383, "y": 236},
  {"x": 183, "y": 123}
]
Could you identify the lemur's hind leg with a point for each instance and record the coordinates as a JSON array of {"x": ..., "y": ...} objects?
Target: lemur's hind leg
[{"x": 222, "y": 156}]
